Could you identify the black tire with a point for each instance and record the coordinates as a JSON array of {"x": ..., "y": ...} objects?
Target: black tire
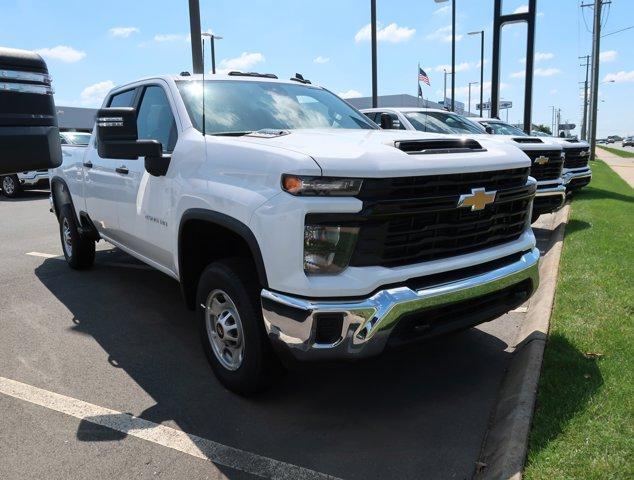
[
  {"x": 259, "y": 366},
  {"x": 10, "y": 185},
  {"x": 79, "y": 251}
]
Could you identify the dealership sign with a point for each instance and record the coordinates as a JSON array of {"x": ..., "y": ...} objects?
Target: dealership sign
[{"x": 504, "y": 104}]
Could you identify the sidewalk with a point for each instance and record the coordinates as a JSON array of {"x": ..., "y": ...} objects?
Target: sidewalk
[{"x": 624, "y": 167}]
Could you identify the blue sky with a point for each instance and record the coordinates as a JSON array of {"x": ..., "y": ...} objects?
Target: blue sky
[{"x": 91, "y": 46}]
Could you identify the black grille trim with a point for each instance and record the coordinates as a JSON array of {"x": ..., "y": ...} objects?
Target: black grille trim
[
  {"x": 416, "y": 219},
  {"x": 549, "y": 171}
]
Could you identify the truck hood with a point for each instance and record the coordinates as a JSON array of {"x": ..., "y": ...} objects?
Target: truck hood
[
  {"x": 567, "y": 143},
  {"x": 544, "y": 143},
  {"x": 372, "y": 153}
]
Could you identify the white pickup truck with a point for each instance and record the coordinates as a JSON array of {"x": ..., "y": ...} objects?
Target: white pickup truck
[
  {"x": 296, "y": 228},
  {"x": 545, "y": 154}
]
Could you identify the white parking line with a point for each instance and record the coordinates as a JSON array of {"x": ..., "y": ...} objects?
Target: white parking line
[
  {"x": 44, "y": 255},
  {"x": 160, "y": 434}
]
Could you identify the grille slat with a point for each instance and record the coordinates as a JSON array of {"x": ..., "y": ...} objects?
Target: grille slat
[{"x": 416, "y": 219}]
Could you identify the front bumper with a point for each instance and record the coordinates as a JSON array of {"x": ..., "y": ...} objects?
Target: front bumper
[
  {"x": 34, "y": 179},
  {"x": 362, "y": 327},
  {"x": 578, "y": 177},
  {"x": 549, "y": 198}
]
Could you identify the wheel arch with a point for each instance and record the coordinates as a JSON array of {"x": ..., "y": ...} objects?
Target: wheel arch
[{"x": 232, "y": 230}]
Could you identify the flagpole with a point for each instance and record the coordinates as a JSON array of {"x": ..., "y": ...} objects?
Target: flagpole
[{"x": 418, "y": 89}]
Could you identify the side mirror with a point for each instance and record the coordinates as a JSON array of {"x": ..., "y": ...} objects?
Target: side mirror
[
  {"x": 489, "y": 130},
  {"x": 29, "y": 136},
  {"x": 117, "y": 136},
  {"x": 387, "y": 122}
]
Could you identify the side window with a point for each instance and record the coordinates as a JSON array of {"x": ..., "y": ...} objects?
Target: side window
[
  {"x": 155, "y": 120},
  {"x": 123, "y": 99},
  {"x": 372, "y": 116},
  {"x": 397, "y": 123}
]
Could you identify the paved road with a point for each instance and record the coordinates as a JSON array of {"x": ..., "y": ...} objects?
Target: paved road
[{"x": 119, "y": 337}]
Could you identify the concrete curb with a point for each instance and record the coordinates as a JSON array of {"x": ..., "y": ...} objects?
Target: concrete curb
[{"x": 505, "y": 446}]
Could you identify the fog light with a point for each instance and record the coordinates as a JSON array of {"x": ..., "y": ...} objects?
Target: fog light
[{"x": 328, "y": 248}]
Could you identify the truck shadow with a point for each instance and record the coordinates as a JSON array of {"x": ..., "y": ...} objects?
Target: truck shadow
[
  {"x": 26, "y": 196},
  {"x": 422, "y": 411}
]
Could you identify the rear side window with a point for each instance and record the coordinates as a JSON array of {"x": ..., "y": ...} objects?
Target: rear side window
[
  {"x": 123, "y": 99},
  {"x": 155, "y": 120}
]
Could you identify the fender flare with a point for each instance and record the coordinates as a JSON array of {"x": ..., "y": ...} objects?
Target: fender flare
[
  {"x": 230, "y": 223},
  {"x": 60, "y": 192}
]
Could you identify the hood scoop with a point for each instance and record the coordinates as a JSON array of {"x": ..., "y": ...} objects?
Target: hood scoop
[
  {"x": 527, "y": 140},
  {"x": 268, "y": 133},
  {"x": 423, "y": 147}
]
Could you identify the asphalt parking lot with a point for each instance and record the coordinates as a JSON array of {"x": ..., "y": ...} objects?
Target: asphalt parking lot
[{"x": 118, "y": 337}]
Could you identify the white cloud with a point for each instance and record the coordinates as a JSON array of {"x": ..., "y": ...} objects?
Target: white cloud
[
  {"x": 442, "y": 10},
  {"x": 521, "y": 9},
  {"x": 608, "y": 56},
  {"x": 63, "y": 53},
  {"x": 122, "y": 32},
  {"x": 443, "y": 34},
  {"x": 244, "y": 61},
  {"x": 94, "y": 94},
  {"x": 169, "y": 37},
  {"x": 538, "y": 72},
  {"x": 321, "y": 59},
  {"x": 350, "y": 94},
  {"x": 539, "y": 57},
  {"x": 392, "y": 34},
  {"x": 620, "y": 77}
]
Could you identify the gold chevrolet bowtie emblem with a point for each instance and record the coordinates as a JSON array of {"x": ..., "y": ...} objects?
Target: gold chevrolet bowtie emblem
[
  {"x": 541, "y": 160},
  {"x": 583, "y": 153},
  {"x": 477, "y": 199}
]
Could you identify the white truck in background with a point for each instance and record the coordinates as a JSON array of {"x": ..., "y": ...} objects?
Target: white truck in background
[
  {"x": 297, "y": 229},
  {"x": 545, "y": 155},
  {"x": 13, "y": 184}
]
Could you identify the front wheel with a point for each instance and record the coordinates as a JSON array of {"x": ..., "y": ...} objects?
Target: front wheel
[
  {"x": 231, "y": 327},
  {"x": 11, "y": 187},
  {"x": 79, "y": 251}
]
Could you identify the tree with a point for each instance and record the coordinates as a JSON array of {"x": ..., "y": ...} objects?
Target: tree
[{"x": 543, "y": 128}]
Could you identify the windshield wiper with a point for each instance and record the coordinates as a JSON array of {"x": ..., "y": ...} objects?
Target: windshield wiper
[{"x": 231, "y": 134}]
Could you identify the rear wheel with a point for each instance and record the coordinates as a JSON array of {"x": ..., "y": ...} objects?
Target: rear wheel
[
  {"x": 232, "y": 329},
  {"x": 11, "y": 187},
  {"x": 79, "y": 251}
]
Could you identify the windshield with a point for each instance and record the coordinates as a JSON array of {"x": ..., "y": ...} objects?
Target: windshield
[
  {"x": 441, "y": 122},
  {"x": 75, "y": 138},
  {"x": 234, "y": 106},
  {"x": 500, "y": 128}
]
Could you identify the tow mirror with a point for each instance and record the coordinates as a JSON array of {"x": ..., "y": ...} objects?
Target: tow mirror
[
  {"x": 117, "y": 136},
  {"x": 29, "y": 136},
  {"x": 489, "y": 130},
  {"x": 387, "y": 122}
]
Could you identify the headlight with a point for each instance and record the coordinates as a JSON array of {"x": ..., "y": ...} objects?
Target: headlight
[
  {"x": 317, "y": 186},
  {"x": 328, "y": 248}
]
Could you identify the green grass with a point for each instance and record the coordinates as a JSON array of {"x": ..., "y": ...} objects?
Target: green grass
[
  {"x": 616, "y": 151},
  {"x": 584, "y": 422}
]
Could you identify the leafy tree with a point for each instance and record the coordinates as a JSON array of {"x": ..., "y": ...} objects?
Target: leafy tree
[{"x": 543, "y": 128}]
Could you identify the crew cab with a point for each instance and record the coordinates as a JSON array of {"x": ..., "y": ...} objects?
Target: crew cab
[
  {"x": 546, "y": 156},
  {"x": 298, "y": 230}
]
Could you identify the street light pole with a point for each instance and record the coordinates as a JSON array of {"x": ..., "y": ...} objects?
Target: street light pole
[
  {"x": 453, "y": 52},
  {"x": 584, "y": 123},
  {"x": 374, "y": 67},
  {"x": 481, "y": 33},
  {"x": 594, "y": 101},
  {"x": 194, "y": 27},
  {"x": 469, "y": 105},
  {"x": 213, "y": 37}
]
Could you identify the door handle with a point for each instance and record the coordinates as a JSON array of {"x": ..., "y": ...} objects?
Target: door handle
[
  {"x": 122, "y": 170},
  {"x": 88, "y": 164}
]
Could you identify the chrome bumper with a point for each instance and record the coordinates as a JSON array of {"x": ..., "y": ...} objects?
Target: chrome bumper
[
  {"x": 570, "y": 175},
  {"x": 367, "y": 323}
]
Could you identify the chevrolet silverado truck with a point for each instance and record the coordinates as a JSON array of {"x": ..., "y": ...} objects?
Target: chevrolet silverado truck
[
  {"x": 299, "y": 230},
  {"x": 576, "y": 173},
  {"x": 546, "y": 156}
]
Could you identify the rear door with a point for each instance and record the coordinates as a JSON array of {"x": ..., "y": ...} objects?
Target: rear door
[{"x": 103, "y": 182}]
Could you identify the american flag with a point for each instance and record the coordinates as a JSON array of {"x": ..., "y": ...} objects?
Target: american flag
[{"x": 422, "y": 76}]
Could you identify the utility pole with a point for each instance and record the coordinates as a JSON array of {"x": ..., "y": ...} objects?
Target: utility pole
[
  {"x": 584, "y": 123},
  {"x": 594, "y": 93},
  {"x": 194, "y": 30},
  {"x": 374, "y": 67},
  {"x": 453, "y": 55}
]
